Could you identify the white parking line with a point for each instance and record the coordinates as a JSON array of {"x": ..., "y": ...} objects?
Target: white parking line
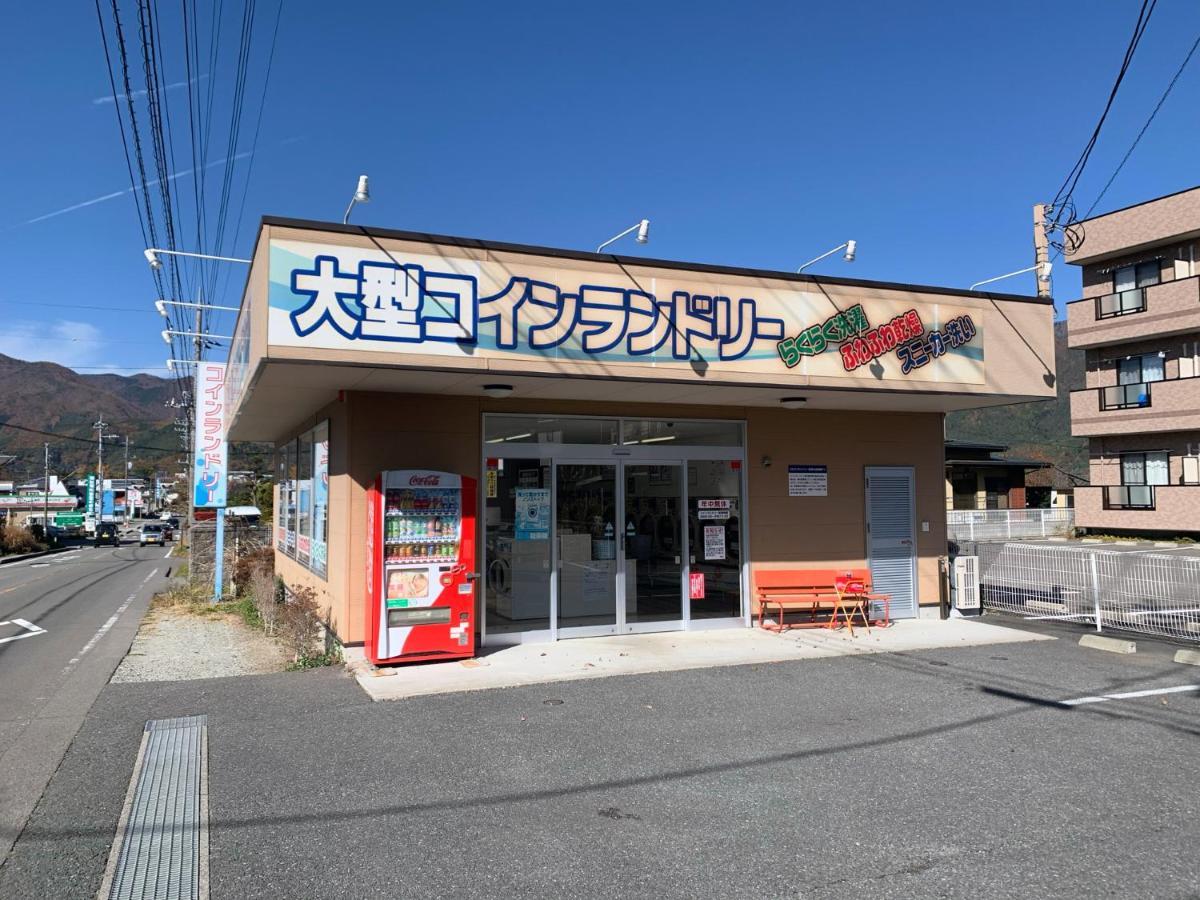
[
  {"x": 1130, "y": 695},
  {"x": 103, "y": 629},
  {"x": 30, "y": 630}
]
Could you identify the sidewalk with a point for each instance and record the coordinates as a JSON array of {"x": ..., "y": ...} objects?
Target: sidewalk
[{"x": 579, "y": 658}]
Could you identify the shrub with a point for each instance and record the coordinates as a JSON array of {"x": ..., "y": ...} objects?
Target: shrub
[
  {"x": 252, "y": 563},
  {"x": 264, "y": 594},
  {"x": 18, "y": 539},
  {"x": 300, "y": 623}
]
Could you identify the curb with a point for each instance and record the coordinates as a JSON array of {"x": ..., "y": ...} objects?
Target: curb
[
  {"x": 1188, "y": 657},
  {"x": 8, "y": 560},
  {"x": 1112, "y": 645}
]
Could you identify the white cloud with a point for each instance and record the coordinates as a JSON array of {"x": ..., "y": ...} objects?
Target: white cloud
[
  {"x": 112, "y": 196},
  {"x": 76, "y": 345},
  {"x": 109, "y": 98}
]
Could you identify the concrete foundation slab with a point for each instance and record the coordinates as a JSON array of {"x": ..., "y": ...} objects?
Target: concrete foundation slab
[{"x": 600, "y": 657}]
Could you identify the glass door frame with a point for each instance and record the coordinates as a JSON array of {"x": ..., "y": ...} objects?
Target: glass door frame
[
  {"x": 604, "y": 454},
  {"x": 680, "y": 624},
  {"x": 557, "y": 631}
]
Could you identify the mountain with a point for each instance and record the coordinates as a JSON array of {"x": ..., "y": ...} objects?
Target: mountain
[
  {"x": 1041, "y": 430},
  {"x": 49, "y": 397}
]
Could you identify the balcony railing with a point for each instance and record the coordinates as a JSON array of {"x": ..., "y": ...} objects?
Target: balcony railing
[
  {"x": 1125, "y": 396},
  {"x": 1129, "y": 496},
  {"x": 1121, "y": 303}
]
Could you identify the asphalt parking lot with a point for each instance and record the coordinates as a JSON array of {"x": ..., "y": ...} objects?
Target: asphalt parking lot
[{"x": 947, "y": 773}]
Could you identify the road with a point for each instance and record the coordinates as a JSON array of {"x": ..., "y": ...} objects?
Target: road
[
  {"x": 944, "y": 773},
  {"x": 68, "y": 619}
]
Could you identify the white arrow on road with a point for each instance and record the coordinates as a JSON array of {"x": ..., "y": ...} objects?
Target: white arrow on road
[{"x": 30, "y": 630}]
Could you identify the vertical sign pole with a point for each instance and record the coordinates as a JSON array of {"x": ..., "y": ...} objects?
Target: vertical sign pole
[{"x": 219, "y": 567}]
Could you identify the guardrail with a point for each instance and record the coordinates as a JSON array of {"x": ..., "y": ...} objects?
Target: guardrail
[
  {"x": 1148, "y": 593},
  {"x": 1008, "y": 524}
]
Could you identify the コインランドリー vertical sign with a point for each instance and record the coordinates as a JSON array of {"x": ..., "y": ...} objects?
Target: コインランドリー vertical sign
[{"x": 209, "y": 451}]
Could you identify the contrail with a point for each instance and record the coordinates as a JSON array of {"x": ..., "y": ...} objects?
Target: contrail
[
  {"x": 129, "y": 190},
  {"x": 109, "y": 98}
]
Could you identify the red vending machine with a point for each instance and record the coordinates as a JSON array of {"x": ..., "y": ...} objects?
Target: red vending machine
[{"x": 421, "y": 529}]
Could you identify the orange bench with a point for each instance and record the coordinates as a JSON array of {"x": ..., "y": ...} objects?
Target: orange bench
[{"x": 845, "y": 594}]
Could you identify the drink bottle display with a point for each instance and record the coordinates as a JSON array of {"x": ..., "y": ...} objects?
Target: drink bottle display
[{"x": 423, "y": 585}]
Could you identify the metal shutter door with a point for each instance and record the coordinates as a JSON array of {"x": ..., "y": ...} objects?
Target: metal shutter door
[{"x": 891, "y": 550}]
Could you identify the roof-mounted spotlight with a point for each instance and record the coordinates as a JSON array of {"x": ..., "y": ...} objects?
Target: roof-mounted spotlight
[
  {"x": 851, "y": 248},
  {"x": 643, "y": 234},
  {"x": 362, "y": 194}
]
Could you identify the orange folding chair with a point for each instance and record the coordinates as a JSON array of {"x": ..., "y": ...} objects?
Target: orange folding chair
[{"x": 853, "y": 598}]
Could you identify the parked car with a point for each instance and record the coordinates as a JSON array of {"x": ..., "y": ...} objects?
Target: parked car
[
  {"x": 106, "y": 533},
  {"x": 151, "y": 534}
]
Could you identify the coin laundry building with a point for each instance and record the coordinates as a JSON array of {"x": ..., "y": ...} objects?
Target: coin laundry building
[{"x": 674, "y": 427}]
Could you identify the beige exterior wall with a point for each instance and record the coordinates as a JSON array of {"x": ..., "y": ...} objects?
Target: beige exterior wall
[
  {"x": 379, "y": 431},
  {"x": 1015, "y": 334},
  {"x": 1101, "y": 363},
  {"x": 1172, "y": 307},
  {"x": 1176, "y": 509},
  {"x": 1105, "y": 453},
  {"x": 1127, "y": 230},
  {"x": 1174, "y": 406}
]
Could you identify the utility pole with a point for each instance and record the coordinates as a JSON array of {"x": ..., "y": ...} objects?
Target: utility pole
[
  {"x": 46, "y": 495},
  {"x": 1041, "y": 249},
  {"x": 127, "y": 516}
]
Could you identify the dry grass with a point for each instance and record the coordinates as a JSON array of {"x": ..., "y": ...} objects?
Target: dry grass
[
  {"x": 17, "y": 539},
  {"x": 188, "y": 599}
]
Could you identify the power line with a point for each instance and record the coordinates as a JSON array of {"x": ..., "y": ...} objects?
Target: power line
[
  {"x": 1062, "y": 198},
  {"x": 1161, "y": 100},
  {"x": 71, "y": 437}
]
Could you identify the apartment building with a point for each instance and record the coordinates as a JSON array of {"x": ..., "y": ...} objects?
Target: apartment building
[{"x": 1138, "y": 322}]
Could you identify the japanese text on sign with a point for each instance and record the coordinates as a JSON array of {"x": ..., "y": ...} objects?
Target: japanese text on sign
[
  {"x": 713, "y": 509},
  {"x": 808, "y": 481},
  {"x": 409, "y": 304},
  {"x": 714, "y": 542},
  {"x": 210, "y": 456}
]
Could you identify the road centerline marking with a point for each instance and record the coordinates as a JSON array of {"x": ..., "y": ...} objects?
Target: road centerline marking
[{"x": 1131, "y": 695}]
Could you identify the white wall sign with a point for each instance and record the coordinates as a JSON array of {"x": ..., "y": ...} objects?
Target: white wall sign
[
  {"x": 808, "y": 481},
  {"x": 717, "y": 508}
]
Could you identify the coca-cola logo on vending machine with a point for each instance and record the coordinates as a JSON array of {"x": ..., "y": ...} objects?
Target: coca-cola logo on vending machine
[{"x": 424, "y": 480}]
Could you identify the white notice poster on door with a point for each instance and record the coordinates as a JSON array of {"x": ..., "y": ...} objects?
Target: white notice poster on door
[{"x": 714, "y": 542}]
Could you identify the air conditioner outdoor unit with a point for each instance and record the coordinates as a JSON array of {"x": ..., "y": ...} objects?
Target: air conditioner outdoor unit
[{"x": 966, "y": 583}]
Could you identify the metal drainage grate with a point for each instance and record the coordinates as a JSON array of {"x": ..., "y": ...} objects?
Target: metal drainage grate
[{"x": 163, "y": 833}]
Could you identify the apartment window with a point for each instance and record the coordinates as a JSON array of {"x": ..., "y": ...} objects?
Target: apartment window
[
  {"x": 1146, "y": 468},
  {"x": 1144, "y": 274},
  {"x": 1141, "y": 369}
]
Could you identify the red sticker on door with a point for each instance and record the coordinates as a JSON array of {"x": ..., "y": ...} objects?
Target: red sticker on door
[{"x": 696, "y": 586}]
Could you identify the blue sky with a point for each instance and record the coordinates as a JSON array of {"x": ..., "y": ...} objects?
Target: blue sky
[{"x": 757, "y": 134}]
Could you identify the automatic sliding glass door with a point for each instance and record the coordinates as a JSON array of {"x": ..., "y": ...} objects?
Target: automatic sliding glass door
[
  {"x": 586, "y": 531},
  {"x": 653, "y": 525}
]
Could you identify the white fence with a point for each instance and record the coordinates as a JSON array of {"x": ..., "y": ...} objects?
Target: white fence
[
  {"x": 1146, "y": 592},
  {"x": 1008, "y": 524}
]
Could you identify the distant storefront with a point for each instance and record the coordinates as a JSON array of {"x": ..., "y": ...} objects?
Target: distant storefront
[{"x": 641, "y": 435}]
